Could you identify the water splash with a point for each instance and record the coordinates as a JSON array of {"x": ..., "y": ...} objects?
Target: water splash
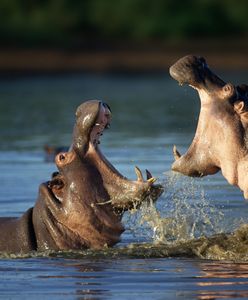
[{"x": 183, "y": 213}]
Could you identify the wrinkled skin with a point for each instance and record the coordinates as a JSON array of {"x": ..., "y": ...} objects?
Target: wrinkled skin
[
  {"x": 220, "y": 141},
  {"x": 83, "y": 203}
]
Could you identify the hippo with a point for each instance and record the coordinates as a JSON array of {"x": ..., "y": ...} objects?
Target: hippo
[
  {"x": 220, "y": 141},
  {"x": 82, "y": 205}
]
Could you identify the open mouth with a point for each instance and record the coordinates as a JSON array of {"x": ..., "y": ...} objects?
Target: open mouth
[
  {"x": 102, "y": 122},
  {"x": 93, "y": 117},
  {"x": 201, "y": 158}
]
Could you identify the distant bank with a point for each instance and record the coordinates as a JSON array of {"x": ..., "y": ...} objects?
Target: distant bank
[{"x": 19, "y": 61}]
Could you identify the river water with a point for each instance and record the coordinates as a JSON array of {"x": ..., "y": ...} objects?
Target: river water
[{"x": 183, "y": 247}]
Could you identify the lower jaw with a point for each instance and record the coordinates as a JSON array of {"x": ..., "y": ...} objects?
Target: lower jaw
[{"x": 100, "y": 161}]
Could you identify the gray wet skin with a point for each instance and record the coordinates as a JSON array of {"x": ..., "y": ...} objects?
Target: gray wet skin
[
  {"x": 82, "y": 205},
  {"x": 220, "y": 141}
]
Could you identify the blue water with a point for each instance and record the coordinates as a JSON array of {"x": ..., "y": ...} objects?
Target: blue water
[{"x": 150, "y": 115}]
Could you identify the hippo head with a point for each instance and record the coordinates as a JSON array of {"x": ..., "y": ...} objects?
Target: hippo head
[
  {"x": 220, "y": 141},
  {"x": 92, "y": 118},
  {"x": 82, "y": 205}
]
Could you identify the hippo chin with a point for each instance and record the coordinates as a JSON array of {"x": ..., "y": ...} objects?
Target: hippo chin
[
  {"x": 82, "y": 205},
  {"x": 220, "y": 141}
]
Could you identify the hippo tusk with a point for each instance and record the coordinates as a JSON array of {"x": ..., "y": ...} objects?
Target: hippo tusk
[
  {"x": 151, "y": 180},
  {"x": 176, "y": 153},
  {"x": 149, "y": 177},
  {"x": 139, "y": 174},
  {"x": 148, "y": 174}
]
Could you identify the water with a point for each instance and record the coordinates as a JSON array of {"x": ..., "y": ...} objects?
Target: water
[{"x": 158, "y": 257}]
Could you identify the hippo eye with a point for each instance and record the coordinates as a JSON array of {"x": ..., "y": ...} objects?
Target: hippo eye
[
  {"x": 202, "y": 63},
  {"x": 228, "y": 90},
  {"x": 202, "y": 60},
  {"x": 56, "y": 183},
  {"x": 61, "y": 157}
]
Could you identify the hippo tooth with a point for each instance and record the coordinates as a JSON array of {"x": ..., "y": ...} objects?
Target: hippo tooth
[
  {"x": 139, "y": 174},
  {"x": 151, "y": 180},
  {"x": 60, "y": 199},
  {"x": 192, "y": 86},
  {"x": 176, "y": 153},
  {"x": 97, "y": 124},
  {"x": 148, "y": 174}
]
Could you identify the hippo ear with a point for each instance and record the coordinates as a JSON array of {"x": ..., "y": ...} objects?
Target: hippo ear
[
  {"x": 228, "y": 91},
  {"x": 239, "y": 107}
]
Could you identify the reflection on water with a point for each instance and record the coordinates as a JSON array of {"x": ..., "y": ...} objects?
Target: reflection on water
[
  {"x": 124, "y": 279},
  {"x": 232, "y": 277},
  {"x": 193, "y": 218}
]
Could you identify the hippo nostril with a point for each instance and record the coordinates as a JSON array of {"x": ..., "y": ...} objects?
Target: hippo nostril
[{"x": 201, "y": 63}]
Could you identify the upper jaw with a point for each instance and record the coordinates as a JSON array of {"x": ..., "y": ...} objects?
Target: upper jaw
[
  {"x": 189, "y": 70},
  {"x": 102, "y": 122},
  {"x": 194, "y": 71},
  {"x": 96, "y": 133}
]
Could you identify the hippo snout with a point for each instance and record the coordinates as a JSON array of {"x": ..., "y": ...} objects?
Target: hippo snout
[{"x": 189, "y": 70}]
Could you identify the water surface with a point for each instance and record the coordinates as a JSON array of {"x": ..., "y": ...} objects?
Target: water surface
[{"x": 150, "y": 115}]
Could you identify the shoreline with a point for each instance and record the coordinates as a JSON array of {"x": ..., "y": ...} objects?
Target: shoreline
[{"x": 133, "y": 61}]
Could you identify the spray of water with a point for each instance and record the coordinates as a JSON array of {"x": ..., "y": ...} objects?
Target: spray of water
[{"x": 182, "y": 213}]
